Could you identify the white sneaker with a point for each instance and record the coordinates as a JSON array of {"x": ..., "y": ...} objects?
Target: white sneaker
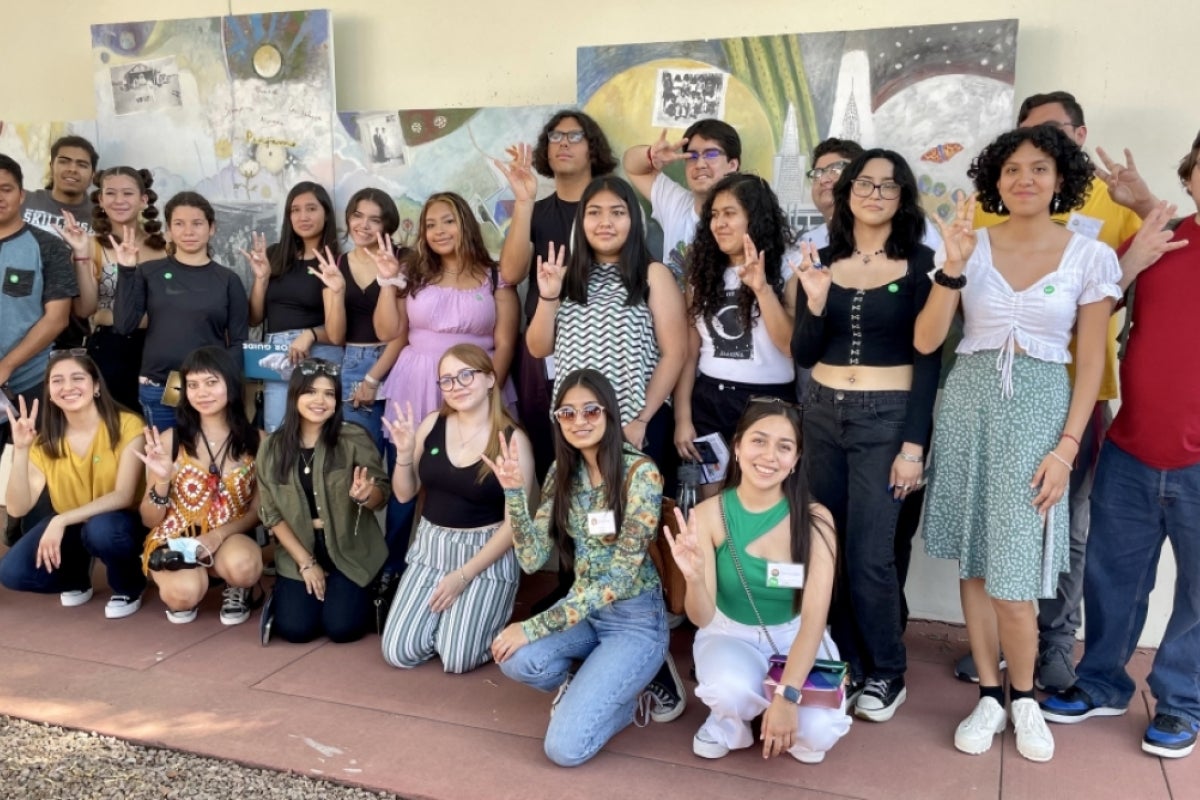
[
  {"x": 976, "y": 733},
  {"x": 122, "y": 605},
  {"x": 75, "y": 597},
  {"x": 182, "y": 617},
  {"x": 1033, "y": 737},
  {"x": 705, "y": 745},
  {"x": 807, "y": 756}
]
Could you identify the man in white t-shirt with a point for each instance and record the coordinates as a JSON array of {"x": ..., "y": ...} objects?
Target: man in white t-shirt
[{"x": 712, "y": 150}]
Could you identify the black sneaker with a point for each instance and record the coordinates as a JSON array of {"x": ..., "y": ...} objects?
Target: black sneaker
[
  {"x": 1170, "y": 736},
  {"x": 235, "y": 605},
  {"x": 880, "y": 698},
  {"x": 667, "y": 693}
]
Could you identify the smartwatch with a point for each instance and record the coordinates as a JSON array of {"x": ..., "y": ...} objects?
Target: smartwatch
[{"x": 789, "y": 693}]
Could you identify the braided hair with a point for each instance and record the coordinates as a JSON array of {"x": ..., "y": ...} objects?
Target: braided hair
[{"x": 102, "y": 226}]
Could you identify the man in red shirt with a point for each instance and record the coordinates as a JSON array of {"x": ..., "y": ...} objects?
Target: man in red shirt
[{"x": 1147, "y": 489}]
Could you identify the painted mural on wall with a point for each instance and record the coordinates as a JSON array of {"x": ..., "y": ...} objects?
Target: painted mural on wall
[{"x": 934, "y": 93}]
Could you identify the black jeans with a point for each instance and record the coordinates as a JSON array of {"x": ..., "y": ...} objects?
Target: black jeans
[
  {"x": 850, "y": 441},
  {"x": 344, "y": 615}
]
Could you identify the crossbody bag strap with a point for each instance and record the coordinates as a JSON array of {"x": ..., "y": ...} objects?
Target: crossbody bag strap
[{"x": 737, "y": 565}]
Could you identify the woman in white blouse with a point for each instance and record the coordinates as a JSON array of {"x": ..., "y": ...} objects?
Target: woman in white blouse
[{"x": 1009, "y": 427}]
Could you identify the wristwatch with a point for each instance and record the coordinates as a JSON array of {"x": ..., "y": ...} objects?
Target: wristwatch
[{"x": 789, "y": 693}]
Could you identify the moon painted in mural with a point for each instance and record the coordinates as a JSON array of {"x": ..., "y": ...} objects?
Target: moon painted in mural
[{"x": 268, "y": 61}]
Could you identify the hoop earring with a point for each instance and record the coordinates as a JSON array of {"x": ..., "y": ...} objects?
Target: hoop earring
[
  {"x": 1055, "y": 203},
  {"x": 96, "y": 394},
  {"x": 1000, "y": 207}
]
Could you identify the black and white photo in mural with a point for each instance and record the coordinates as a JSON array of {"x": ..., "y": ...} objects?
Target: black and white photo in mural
[
  {"x": 728, "y": 338},
  {"x": 381, "y": 137},
  {"x": 145, "y": 86},
  {"x": 685, "y": 96}
]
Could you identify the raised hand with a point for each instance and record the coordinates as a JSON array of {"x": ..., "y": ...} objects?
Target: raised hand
[
  {"x": 753, "y": 273},
  {"x": 23, "y": 426},
  {"x": 361, "y": 485},
  {"x": 75, "y": 236},
  {"x": 663, "y": 152},
  {"x": 156, "y": 458},
  {"x": 1125, "y": 184},
  {"x": 1151, "y": 241},
  {"x": 257, "y": 256},
  {"x": 403, "y": 431},
  {"x": 384, "y": 256},
  {"x": 126, "y": 251},
  {"x": 327, "y": 271},
  {"x": 521, "y": 178},
  {"x": 958, "y": 236},
  {"x": 550, "y": 272},
  {"x": 814, "y": 277},
  {"x": 686, "y": 546},
  {"x": 507, "y": 466}
]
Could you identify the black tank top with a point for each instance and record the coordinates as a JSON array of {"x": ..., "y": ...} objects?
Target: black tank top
[{"x": 454, "y": 496}]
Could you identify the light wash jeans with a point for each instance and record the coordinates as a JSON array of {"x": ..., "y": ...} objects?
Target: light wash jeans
[
  {"x": 622, "y": 646},
  {"x": 275, "y": 392},
  {"x": 153, "y": 410},
  {"x": 357, "y": 362}
]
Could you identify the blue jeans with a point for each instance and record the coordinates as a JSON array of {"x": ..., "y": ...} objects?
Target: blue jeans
[
  {"x": 357, "y": 362},
  {"x": 153, "y": 410},
  {"x": 1134, "y": 509},
  {"x": 114, "y": 537},
  {"x": 622, "y": 647},
  {"x": 275, "y": 392}
]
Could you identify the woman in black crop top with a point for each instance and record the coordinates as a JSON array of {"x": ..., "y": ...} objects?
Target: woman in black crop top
[
  {"x": 461, "y": 581},
  {"x": 298, "y": 291},
  {"x": 869, "y": 404}
]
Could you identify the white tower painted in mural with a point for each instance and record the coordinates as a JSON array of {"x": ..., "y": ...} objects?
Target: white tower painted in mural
[
  {"x": 852, "y": 116},
  {"x": 788, "y": 179}
]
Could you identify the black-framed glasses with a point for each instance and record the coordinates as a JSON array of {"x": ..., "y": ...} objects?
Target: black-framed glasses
[
  {"x": 72, "y": 352},
  {"x": 709, "y": 154},
  {"x": 888, "y": 190},
  {"x": 1062, "y": 126},
  {"x": 465, "y": 378},
  {"x": 591, "y": 412},
  {"x": 835, "y": 169},
  {"x": 574, "y": 137},
  {"x": 311, "y": 366}
]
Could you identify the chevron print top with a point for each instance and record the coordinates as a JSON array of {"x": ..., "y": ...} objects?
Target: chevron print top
[{"x": 606, "y": 335}]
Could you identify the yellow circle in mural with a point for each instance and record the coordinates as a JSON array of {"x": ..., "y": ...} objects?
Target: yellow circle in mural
[
  {"x": 268, "y": 61},
  {"x": 624, "y": 107}
]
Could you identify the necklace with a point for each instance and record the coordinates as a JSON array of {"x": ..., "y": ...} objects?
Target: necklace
[
  {"x": 462, "y": 440},
  {"x": 867, "y": 257},
  {"x": 308, "y": 462},
  {"x": 216, "y": 460}
]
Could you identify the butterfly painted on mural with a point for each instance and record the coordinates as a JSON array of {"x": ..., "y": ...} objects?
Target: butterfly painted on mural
[{"x": 942, "y": 153}]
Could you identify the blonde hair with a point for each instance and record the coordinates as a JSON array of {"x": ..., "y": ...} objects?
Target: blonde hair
[{"x": 475, "y": 357}]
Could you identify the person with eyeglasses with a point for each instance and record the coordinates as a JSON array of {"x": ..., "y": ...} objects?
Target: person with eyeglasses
[
  {"x": 601, "y": 644},
  {"x": 1117, "y": 200},
  {"x": 1011, "y": 420},
  {"x": 320, "y": 482},
  {"x": 202, "y": 487},
  {"x": 461, "y": 581},
  {"x": 741, "y": 299},
  {"x": 710, "y": 150},
  {"x": 84, "y": 456},
  {"x": 869, "y": 405}
]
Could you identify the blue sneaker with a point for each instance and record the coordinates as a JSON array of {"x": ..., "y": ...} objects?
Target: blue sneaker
[
  {"x": 1075, "y": 705},
  {"x": 1170, "y": 736}
]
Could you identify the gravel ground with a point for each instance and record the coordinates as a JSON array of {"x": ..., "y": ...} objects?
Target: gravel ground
[{"x": 42, "y": 762}]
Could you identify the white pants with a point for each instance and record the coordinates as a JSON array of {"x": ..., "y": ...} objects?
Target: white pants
[{"x": 731, "y": 663}]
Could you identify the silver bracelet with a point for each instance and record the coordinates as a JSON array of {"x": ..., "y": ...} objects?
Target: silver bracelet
[
  {"x": 911, "y": 458},
  {"x": 1059, "y": 458}
]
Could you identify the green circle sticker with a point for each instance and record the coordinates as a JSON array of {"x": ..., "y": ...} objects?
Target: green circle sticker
[
  {"x": 95, "y": 459},
  {"x": 13, "y": 279},
  {"x": 893, "y": 288},
  {"x": 167, "y": 276},
  {"x": 435, "y": 451},
  {"x": 1049, "y": 290}
]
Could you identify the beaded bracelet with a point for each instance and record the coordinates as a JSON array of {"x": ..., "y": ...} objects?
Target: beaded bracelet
[{"x": 160, "y": 499}]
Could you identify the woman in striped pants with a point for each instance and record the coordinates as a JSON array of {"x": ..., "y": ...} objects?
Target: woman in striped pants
[{"x": 461, "y": 580}]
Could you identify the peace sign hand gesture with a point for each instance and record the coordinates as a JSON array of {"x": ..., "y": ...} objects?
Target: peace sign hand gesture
[
  {"x": 663, "y": 152},
  {"x": 403, "y": 430},
  {"x": 385, "y": 259},
  {"x": 156, "y": 458},
  {"x": 1125, "y": 184},
  {"x": 362, "y": 485},
  {"x": 958, "y": 235},
  {"x": 507, "y": 465},
  {"x": 754, "y": 272},
  {"x": 550, "y": 272},
  {"x": 257, "y": 256},
  {"x": 23, "y": 426},
  {"x": 686, "y": 546},
  {"x": 75, "y": 236},
  {"x": 126, "y": 250},
  {"x": 519, "y": 172},
  {"x": 327, "y": 272},
  {"x": 814, "y": 277}
]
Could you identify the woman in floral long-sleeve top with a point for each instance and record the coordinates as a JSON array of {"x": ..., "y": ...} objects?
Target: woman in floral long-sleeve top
[{"x": 600, "y": 506}]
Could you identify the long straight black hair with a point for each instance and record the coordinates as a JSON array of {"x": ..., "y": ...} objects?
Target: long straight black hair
[
  {"x": 215, "y": 361},
  {"x": 908, "y": 224},
  {"x": 284, "y": 443},
  {"x": 610, "y": 459},
  {"x": 290, "y": 248},
  {"x": 634, "y": 259}
]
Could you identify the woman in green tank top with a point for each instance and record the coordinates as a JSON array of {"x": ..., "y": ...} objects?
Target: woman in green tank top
[{"x": 761, "y": 538}]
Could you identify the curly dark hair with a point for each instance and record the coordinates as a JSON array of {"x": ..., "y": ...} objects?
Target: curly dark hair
[
  {"x": 908, "y": 224},
  {"x": 599, "y": 151},
  {"x": 102, "y": 226},
  {"x": 769, "y": 230},
  {"x": 1072, "y": 164}
]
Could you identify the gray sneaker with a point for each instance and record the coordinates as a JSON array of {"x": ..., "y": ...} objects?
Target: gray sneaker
[
  {"x": 964, "y": 668},
  {"x": 1055, "y": 672}
]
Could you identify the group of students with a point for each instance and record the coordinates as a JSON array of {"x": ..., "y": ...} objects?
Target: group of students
[{"x": 625, "y": 362}]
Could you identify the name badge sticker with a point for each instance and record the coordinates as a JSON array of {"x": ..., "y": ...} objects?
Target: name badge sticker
[
  {"x": 601, "y": 523},
  {"x": 1085, "y": 225},
  {"x": 785, "y": 576}
]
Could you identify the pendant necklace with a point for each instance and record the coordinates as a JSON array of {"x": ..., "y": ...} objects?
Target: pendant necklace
[
  {"x": 866, "y": 257},
  {"x": 308, "y": 462},
  {"x": 216, "y": 460}
]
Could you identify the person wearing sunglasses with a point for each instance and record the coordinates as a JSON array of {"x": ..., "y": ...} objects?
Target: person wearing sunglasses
[
  {"x": 710, "y": 149},
  {"x": 461, "y": 581},
  {"x": 320, "y": 482},
  {"x": 600, "y": 645},
  {"x": 760, "y": 562},
  {"x": 868, "y": 406},
  {"x": 201, "y": 486},
  {"x": 741, "y": 303},
  {"x": 84, "y": 456}
]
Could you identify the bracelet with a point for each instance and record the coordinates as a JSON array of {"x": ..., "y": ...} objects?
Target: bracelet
[
  {"x": 370, "y": 381},
  {"x": 550, "y": 299},
  {"x": 309, "y": 565},
  {"x": 84, "y": 260},
  {"x": 398, "y": 282},
  {"x": 462, "y": 576},
  {"x": 650, "y": 158},
  {"x": 1061, "y": 459},
  {"x": 159, "y": 499},
  {"x": 1072, "y": 438},
  {"x": 404, "y": 463},
  {"x": 942, "y": 279},
  {"x": 313, "y": 331},
  {"x": 911, "y": 458}
]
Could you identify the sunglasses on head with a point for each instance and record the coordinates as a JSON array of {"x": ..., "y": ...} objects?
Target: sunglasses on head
[
  {"x": 591, "y": 412},
  {"x": 74, "y": 352},
  {"x": 465, "y": 378},
  {"x": 312, "y": 366}
]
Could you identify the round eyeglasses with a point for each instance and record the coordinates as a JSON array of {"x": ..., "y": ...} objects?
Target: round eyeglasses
[{"x": 465, "y": 378}]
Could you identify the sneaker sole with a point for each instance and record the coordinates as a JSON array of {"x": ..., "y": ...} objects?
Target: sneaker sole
[
  {"x": 963, "y": 747},
  {"x": 709, "y": 749},
  {"x": 882, "y": 714},
  {"x": 1070, "y": 719},
  {"x": 121, "y": 613},
  {"x": 238, "y": 620},
  {"x": 181, "y": 619},
  {"x": 76, "y": 600},
  {"x": 1162, "y": 751},
  {"x": 1038, "y": 758}
]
